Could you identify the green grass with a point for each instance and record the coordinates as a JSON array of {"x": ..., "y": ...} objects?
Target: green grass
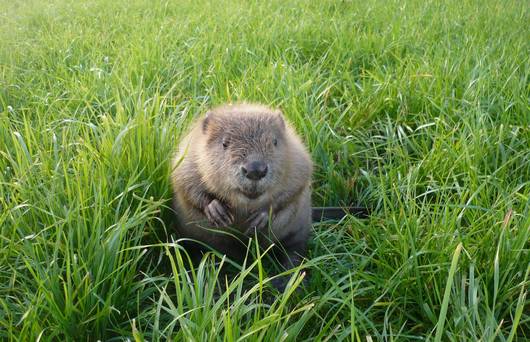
[{"x": 418, "y": 109}]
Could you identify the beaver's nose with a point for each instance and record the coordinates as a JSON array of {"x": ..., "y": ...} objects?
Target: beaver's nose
[{"x": 255, "y": 170}]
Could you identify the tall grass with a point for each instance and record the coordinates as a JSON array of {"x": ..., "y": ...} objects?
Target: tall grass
[{"x": 417, "y": 109}]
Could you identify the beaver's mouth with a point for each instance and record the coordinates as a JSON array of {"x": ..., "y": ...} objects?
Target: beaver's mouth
[{"x": 251, "y": 193}]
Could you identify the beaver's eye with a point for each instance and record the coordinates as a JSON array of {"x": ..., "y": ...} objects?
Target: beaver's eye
[
  {"x": 275, "y": 142},
  {"x": 225, "y": 142}
]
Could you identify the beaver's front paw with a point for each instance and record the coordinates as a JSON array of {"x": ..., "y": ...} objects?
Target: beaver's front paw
[
  {"x": 258, "y": 221},
  {"x": 218, "y": 214}
]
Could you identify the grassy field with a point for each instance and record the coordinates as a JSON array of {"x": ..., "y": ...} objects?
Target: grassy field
[{"x": 417, "y": 109}]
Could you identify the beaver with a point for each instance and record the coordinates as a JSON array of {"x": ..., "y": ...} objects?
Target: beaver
[{"x": 241, "y": 172}]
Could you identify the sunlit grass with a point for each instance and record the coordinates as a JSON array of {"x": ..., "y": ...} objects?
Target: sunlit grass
[{"x": 417, "y": 109}]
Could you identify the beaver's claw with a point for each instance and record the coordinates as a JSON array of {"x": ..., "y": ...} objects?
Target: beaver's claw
[
  {"x": 257, "y": 222},
  {"x": 218, "y": 214}
]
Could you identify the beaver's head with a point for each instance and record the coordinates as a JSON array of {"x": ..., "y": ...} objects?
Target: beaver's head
[{"x": 244, "y": 151}]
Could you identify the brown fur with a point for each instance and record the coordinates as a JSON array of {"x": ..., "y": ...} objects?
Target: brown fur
[{"x": 211, "y": 194}]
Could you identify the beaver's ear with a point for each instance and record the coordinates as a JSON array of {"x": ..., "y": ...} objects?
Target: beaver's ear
[
  {"x": 206, "y": 120},
  {"x": 279, "y": 118}
]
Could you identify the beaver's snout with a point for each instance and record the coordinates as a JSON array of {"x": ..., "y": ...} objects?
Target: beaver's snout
[{"x": 254, "y": 170}]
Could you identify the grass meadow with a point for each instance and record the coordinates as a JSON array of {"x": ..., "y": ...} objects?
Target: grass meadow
[{"x": 416, "y": 109}]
